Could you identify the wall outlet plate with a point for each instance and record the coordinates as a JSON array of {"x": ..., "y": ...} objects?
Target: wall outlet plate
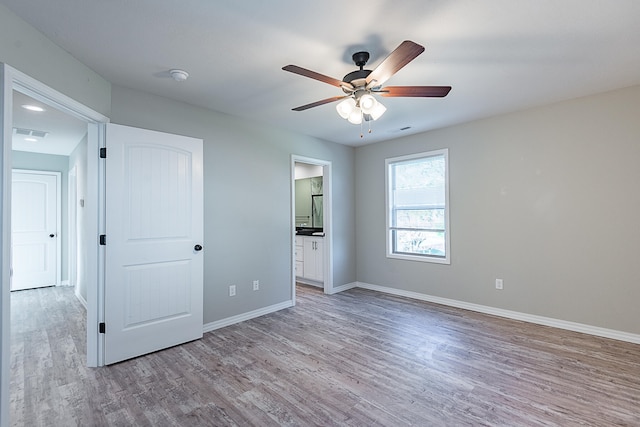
[
  {"x": 256, "y": 285},
  {"x": 499, "y": 284},
  {"x": 232, "y": 290}
]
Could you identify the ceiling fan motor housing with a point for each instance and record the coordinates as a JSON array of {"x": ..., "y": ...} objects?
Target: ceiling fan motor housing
[{"x": 356, "y": 78}]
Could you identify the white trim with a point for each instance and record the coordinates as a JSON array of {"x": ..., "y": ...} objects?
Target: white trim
[
  {"x": 80, "y": 298},
  {"x": 327, "y": 203},
  {"x": 58, "y": 228},
  {"x": 509, "y": 314},
  {"x": 41, "y": 92},
  {"x": 208, "y": 327},
  {"x": 65, "y": 283},
  {"x": 343, "y": 288},
  {"x": 6, "y": 130},
  {"x": 72, "y": 220},
  {"x": 309, "y": 282},
  {"x": 95, "y": 215}
]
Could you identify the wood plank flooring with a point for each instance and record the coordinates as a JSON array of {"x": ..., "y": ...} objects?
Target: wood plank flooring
[{"x": 359, "y": 358}]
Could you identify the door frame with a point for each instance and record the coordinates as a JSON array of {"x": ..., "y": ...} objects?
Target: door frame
[
  {"x": 72, "y": 224},
  {"x": 58, "y": 176},
  {"x": 327, "y": 224},
  {"x": 12, "y": 79}
]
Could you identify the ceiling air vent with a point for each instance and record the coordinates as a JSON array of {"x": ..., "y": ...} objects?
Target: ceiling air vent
[{"x": 30, "y": 132}]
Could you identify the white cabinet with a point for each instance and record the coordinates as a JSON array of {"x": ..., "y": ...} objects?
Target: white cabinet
[
  {"x": 313, "y": 258},
  {"x": 299, "y": 256},
  {"x": 310, "y": 259}
]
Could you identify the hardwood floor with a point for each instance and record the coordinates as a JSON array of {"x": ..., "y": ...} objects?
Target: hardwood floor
[{"x": 359, "y": 358}]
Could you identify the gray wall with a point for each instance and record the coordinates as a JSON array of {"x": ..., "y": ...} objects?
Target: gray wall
[
  {"x": 546, "y": 199},
  {"x": 247, "y": 203},
  {"x": 29, "y": 51},
  {"x": 78, "y": 159},
  {"x": 51, "y": 163}
]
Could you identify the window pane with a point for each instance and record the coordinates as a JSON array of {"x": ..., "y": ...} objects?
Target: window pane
[
  {"x": 419, "y": 218},
  {"x": 428, "y": 172},
  {"x": 420, "y": 197},
  {"x": 430, "y": 243}
]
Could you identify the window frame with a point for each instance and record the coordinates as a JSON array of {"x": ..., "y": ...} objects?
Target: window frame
[{"x": 389, "y": 162}]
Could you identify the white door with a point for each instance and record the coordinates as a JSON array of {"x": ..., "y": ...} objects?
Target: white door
[
  {"x": 154, "y": 232},
  {"x": 34, "y": 229}
]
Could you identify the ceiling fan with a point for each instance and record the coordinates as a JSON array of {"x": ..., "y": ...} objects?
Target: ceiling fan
[{"x": 360, "y": 85}]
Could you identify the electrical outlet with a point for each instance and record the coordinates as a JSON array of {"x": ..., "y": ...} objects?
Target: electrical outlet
[
  {"x": 232, "y": 290},
  {"x": 256, "y": 285},
  {"x": 498, "y": 283}
]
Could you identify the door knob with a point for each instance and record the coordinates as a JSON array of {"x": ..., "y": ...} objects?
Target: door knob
[
  {"x": 52, "y": 235},
  {"x": 197, "y": 248}
]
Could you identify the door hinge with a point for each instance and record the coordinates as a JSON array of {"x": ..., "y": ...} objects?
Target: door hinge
[
  {"x": 103, "y": 239},
  {"x": 102, "y": 327},
  {"x": 103, "y": 152}
]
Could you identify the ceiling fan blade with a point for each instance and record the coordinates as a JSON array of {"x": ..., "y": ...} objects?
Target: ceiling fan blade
[
  {"x": 415, "y": 91},
  {"x": 316, "y": 76},
  {"x": 405, "y": 53},
  {"x": 317, "y": 103}
]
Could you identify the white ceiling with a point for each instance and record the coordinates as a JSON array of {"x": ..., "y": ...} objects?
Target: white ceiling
[
  {"x": 63, "y": 132},
  {"x": 498, "y": 55}
]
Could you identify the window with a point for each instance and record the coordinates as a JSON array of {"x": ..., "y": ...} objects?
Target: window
[{"x": 418, "y": 207}]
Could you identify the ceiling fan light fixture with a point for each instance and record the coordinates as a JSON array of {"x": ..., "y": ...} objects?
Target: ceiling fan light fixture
[
  {"x": 377, "y": 111},
  {"x": 355, "y": 117},
  {"x": 346, "y": 107},
  {"x": 367, "y": 103}
]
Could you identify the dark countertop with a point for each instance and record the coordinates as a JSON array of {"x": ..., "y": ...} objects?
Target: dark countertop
[{"x": 308, "y": 231}]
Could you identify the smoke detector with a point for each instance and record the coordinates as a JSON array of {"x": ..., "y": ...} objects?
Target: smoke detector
[{"x": 179, "y": 75}]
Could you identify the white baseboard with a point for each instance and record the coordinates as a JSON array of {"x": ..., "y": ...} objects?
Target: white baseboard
[
  {"x": 65, "y": 283},
  {"x": 540, "y": 320},
  {"x": 208, "y": 327},
  {"x": 309, "y": 282},
  {"x": 80, "y": 298},
  {"x": 343, "y": 288}
]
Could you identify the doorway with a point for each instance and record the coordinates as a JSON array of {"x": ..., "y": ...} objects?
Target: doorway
[
  {"x": 13, "y": 79},
  {"x": 318, "y": 222}
]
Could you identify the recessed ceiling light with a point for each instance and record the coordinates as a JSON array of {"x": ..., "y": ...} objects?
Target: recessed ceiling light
[
  {"x": 31, "y": 139},
  {"x": 33, "y": 108}
]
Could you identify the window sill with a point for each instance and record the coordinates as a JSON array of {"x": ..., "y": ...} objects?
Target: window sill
[{"x": 420, "y": 258}]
